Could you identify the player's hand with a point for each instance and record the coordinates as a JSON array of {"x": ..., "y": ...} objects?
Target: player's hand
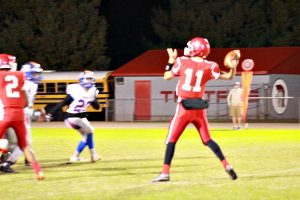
[
  {"x": 48, "y": 117},
  {"x": 232, "y": 59},
  {"x": 96, "y": 93},
  {"x": 172, "y": 55},
  {"x": 39, "y": 115}
]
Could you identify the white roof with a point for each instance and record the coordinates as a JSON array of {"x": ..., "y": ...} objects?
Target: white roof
[{"x": 71, "y": 75}]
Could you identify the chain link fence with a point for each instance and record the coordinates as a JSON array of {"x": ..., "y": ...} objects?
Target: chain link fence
[{"x": 265, "y": 109}]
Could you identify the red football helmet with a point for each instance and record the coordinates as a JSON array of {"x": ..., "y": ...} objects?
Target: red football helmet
[
  {"x": 197, "y": 47},
  {"x": 4, "y": 62},
  {"x": 12, "y": 62}
]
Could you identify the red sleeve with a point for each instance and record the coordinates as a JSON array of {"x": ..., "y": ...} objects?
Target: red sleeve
[
  {"x": 215, "y": 71},
  {"x": 176, "y": 67}
]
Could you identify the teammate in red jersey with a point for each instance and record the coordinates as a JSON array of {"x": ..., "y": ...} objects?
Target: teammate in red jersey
[
  {"x": 193, "y": 71},
  {"x": 12, "y": 101}
]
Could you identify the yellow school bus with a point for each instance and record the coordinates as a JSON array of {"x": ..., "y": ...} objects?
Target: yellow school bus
[{"x": 53, "y": 90}]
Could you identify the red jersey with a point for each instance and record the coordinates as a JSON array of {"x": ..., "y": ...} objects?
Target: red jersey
[
  {"x": 11, "y": 85},
  {"x": 193, "y": 76}
]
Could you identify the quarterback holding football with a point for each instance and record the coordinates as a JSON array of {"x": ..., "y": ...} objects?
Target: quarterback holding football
[{"x": 194, "y": 70}]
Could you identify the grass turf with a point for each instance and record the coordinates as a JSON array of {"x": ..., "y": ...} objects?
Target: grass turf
[{"x": 267, "y": 163}]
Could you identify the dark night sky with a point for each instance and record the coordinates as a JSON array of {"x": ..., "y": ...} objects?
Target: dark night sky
[{"x": 128, "y": 23}]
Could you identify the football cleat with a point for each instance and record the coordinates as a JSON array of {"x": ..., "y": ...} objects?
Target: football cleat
[
  {"x": 40, "y": 176},
  {"x": 4, "y": 157},
  {"x": 77, "y": 159},
  {"x": 230, "y": 171},
  {"x": 6, "y": 167},
  {"x": 95, "y": 157},
  {"x": 162, "y": 178}
]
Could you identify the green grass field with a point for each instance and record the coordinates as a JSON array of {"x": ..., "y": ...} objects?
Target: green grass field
[{"x": 267, "y": 162}]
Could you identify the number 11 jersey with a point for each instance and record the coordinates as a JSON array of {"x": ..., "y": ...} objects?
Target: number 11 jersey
[{"x": 193, "y": 76}]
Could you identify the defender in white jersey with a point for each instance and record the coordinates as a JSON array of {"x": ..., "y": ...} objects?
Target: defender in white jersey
[
  {"x": 79, "y": 97},
  {"x": 33, "y": 73}
]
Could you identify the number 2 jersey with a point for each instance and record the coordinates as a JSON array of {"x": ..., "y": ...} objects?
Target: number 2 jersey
[
  {"x": 78, "y": 99},
  {"x": 82, "y": 98},
  {"x": 11, "y": 86},
  {"x": 193, "y": 76}
]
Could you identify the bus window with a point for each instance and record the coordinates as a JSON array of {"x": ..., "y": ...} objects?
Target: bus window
[
  {"x": 50, "y": 87},
  {"x": 100, "y": 87},
  {"x": 40, "y": 88},
  {"x": 61, "y": 87}
]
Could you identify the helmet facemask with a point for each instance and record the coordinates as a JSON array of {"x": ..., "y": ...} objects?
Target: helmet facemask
[
  {"x": 33, "y": 72},
  {"x": 87, "y": 79},
  {"x": 197, "y": 47}
]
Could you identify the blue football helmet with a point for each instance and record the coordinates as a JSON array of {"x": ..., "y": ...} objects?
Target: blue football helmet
[
  {"x": 87, "y": 79},
  {"x": 33, "y": 71}
]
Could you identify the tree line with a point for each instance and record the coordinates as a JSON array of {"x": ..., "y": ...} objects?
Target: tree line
[{"x": 71, "y": 34}]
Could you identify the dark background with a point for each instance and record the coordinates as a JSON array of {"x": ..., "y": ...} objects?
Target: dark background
[
  {"x": 129, "y": 26},
  {"x": 105, "y": 34}
]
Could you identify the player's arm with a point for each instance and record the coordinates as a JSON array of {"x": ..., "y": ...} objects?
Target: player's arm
[
  {"x": 228, "y": 75},
  {"x": 26, "y": 98},
  {"x": 95, "y": 104},
  {"x": 67, "y": 101},
  {"x": 172, "y": 58}
]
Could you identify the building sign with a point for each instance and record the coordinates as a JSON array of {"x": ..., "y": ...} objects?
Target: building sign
[{"x": 279, "y": 91}]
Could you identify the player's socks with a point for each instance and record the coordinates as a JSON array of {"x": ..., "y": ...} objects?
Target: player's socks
[
  {"x": 90, "y": 141},
  {"x": 225, "y": 163},
  {"x": 36, "y": 167},
  {"x": 38, "y": 172},
  {"x": 168, "y": 157},
  {"x": 93, "y": 151},
  {"x": 80, "y": 147},
  {"x": 216, "y": 149},
  {"x": 166, "y": 169}
]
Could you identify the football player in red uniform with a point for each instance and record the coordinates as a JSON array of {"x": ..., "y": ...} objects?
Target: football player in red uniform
[
  {"x": 12, "y": 101},
  {"x": 193, "y": 71}
]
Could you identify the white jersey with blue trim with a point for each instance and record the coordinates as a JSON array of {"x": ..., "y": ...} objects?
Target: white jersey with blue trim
[
  {"x": 31, "y": 90},
  {"x": 82, "y": 97}
]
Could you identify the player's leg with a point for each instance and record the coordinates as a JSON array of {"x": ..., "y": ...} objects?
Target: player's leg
[
  {"x": 74, "y": 122},
  {"x": 20, "y": 129},
  {"x": 10, "y": 135},
  {"x": 28, "y": 117},
  {"x": 14, "y": 154},
  {"x": 17, "y": 151},
  {"x": 88, "y": 129},
  {"x": 3, "y": 129},
  {"x": 176, "y": 127},
  {"x": 12, "y": 138},
  {"x": 29, "y": 155},
  {"x": 201, "y": 124},
  {"x": 83, "y": 126}
]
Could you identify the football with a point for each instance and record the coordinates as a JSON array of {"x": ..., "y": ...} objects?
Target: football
[
  {"x": 232, "y": 59},
  {"x": 3, "y": 145}
]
